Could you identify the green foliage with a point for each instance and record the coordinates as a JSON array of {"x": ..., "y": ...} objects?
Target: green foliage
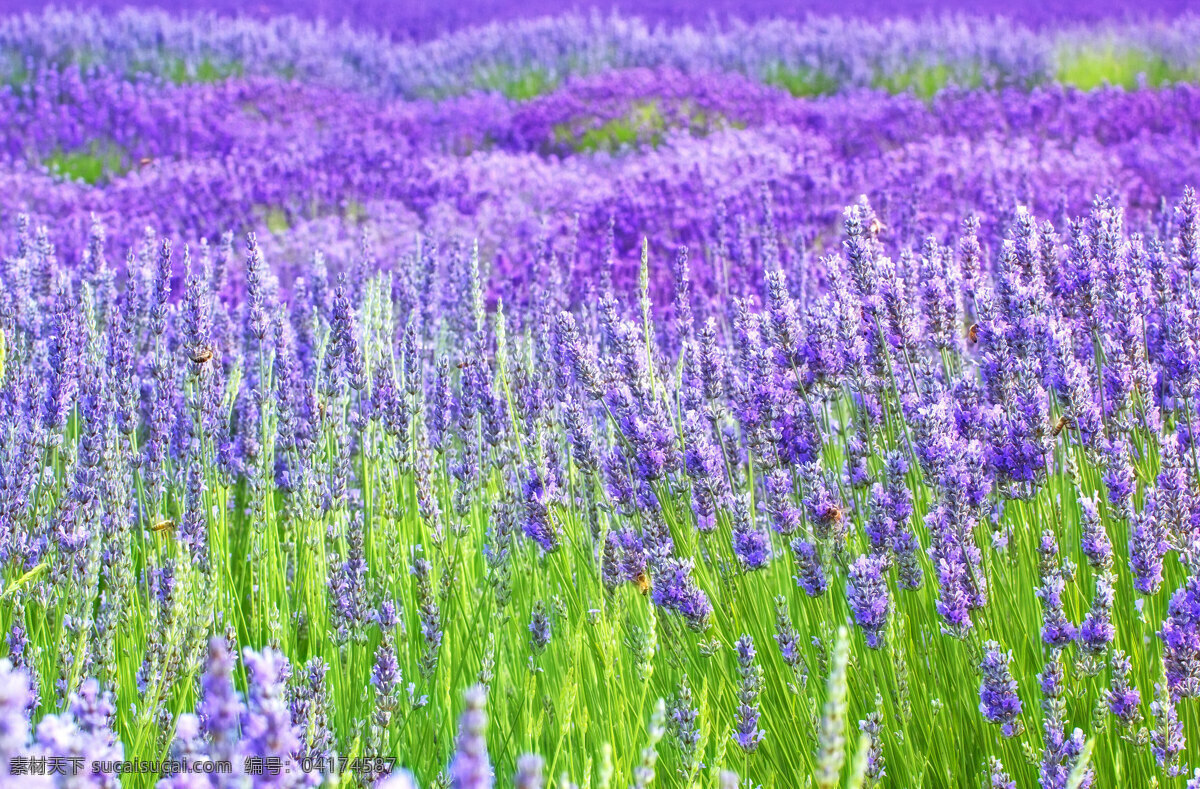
[
  {"x": 15, "y": 70},
  {"x": 802, "y": 82},
  {"x": 516, "y": 84},
  {"x": 175, "y": 68},
  {"x": 183, "y": 72},
  {"x": 276, "y": 220},
  {"x": 921, "y": 79},
  {"x": 925, "y": 80},
  {"x": 354, "y": 212},
  {"x": 645, "y": 124},
  {"x": 1090, "y": 66},
  {"x": 93, "y": 164}
]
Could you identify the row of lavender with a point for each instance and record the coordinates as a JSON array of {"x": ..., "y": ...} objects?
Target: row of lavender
[
  {"x": 322, "y": 164},
  {"x": 423, "y": 19},
  {"x": 524, "y": 57}
]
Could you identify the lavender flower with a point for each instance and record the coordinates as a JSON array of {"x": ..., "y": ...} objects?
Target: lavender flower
[
  {"x": 1118, "y": 475},
  {"x": 1097, "y": 631},
  {"x": 539, "y": 628},
  {"x": 572, "y": 350},
  {"x": 999, "y": 778},
  {"x": 785, "y": 633},
  {"x": 872, "y": 727},
  {"x": 311, "y": 704},
  {"x": 867, "y": 593},
  {"x": 1147, "y": 546},
  {"x": 747, "y": 734},
  {"x": 676, "y": 590},
  {"x": 823, "y": 507},
  {"x": 385, "y": 679},
  {"x": 703, "y": 464},
  {"x": 712, "y": 361},
  {"x": 470, "y": 767},
  {"x": 1181, "y": 640},
  {"x": 751, "y": 543},
  {"x": 430, "y": 613},
  {"x": 257, "y": 321},
  {"x": 1188, "y": 243},
  {"x": 783, "y": 319},
  {"x": 1173, "y": 495},
  {"x": 267, "y": 728},
  {"x": 785, "y": 517},
  {"x": 953, "y": 554},
  {"x": 529, "y": 772},
  {"x": 811, "y": 576},
  {"x": 220, "y": 709},
  {"x": 1167, "y": 738},
  {"x": 998, "y": 700},
  {"x": 83, "y": 733},
  {"x": 584, "y": 450},
  {"x": 1095, "y": 543},
  {"x": 14, "y": 704},
  {"x": 1057, "y": 631},
  {"x": 682, "y": 717},
  {"x": 540, "y": 525},
  {"x": 1123, "y": 697}
]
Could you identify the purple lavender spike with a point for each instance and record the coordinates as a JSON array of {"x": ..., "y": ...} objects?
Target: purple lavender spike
[
  {"x": 998, "y": 700},
  {"x": 470, "y": 767},
  {"x": 867, "y": 593}
]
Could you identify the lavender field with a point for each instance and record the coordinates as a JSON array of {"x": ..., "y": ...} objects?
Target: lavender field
[{"x": 657, "y": 394}]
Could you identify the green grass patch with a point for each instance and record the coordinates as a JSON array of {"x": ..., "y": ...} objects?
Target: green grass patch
[
  {"x": 276, "y": 220},
  {"x": 355, "y": 212},
  {"x": 645, "y": 124},
  {"x": 177, "y": 69},
  {"x": 182, "y": 72},
  {"x": 925, "y": 80},
  {"x": 519, "y": 85},
  {"x": 920, "y": 79},
  {"x": 1089, "y": 67},
  {"x": 16, "y": 70},
  {"x": 643, "y": 121},
  {"x": 92, "y": 164},
  {"x": 802, "y": 82}
]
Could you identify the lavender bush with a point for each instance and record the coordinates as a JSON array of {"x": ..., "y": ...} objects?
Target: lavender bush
[{"x": 573, "y": 402}]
